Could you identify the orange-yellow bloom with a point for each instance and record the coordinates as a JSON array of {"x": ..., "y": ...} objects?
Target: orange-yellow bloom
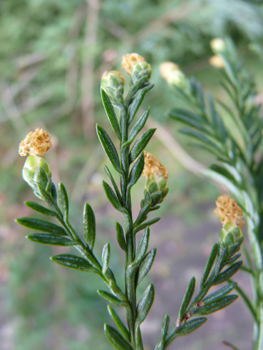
[
  {"x": 129, "y": 59},
  {"x": 228, "y": 211},
  {"x": 36, "y": 143},
  {"x": 153, "y": 166}
]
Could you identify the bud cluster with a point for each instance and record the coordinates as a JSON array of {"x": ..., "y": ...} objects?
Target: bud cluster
[
  {"x": 156, "y": 184},
  {"x": 172, "y": 74},
  {"x": 35, "y": 143},
  {"x": 230, "y": 215}
]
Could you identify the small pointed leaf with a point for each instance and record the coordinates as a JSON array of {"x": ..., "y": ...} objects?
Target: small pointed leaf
[
  {"x": 187, "y": 298},
  {"x": 111, "y": 298},
  {"x": 191, "y": 326},
  {"x": 142, "y": 246},
  {"x": 210, "y": 263},
  {"x": 112, "y": 198},
  {"x": 145, "y": 304},
  {"x": 45, "y": 238},
  {"x": 39, "y": 208},
  {"x": 228, "y": 273},
  {"x": 216, "y": 305},
  {"x": 165, "y": 325},
  {"x": 63, "y": 200},
  {"x": 109, "y": 148},
  {"x": 120, "y": 237},
  {"x": 41, "y": 225},
  {"x": 105, "y": 257},
  {"x": 138, "y": 126},
  {"x": 121, "y": 327},
  {"x": 136, "y": 171},
  {"x": 73, "y": 262},
  {"x": 116, "y": 339},
  {"x": 110, "y": 113},
  {"x": 146, "y": 264},
  {"x": 140, "y": 144},
  {"x": 89, "y": 225}
]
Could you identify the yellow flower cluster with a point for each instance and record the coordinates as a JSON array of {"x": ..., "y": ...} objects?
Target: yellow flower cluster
[
  {"x": 36, "y": 143},
  {"x": 153, "y": 166},
  {"x": 129, "y": 59},
  {"x": 228, "y": 211}
]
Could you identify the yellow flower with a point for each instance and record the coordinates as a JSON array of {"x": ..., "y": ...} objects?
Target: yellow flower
[
  {"x": 172, "y": 74},
  {"x": 228, "y": 211},
  {"x": 218, "y": 45},
  {"x": 216, "y": 61},
  {"x": 36, "y": 143},
  {"x": 153, "y": 166},
  {"x": 129, "y": 59}
]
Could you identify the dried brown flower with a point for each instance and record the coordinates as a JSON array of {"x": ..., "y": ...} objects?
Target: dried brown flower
[
  {"x": 153, "y": 166},
  {"x": 228, "y": 211},
  {"x": 36, "y": 143}
]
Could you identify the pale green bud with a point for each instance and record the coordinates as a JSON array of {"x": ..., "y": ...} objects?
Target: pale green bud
[
  {"x": 218, "y": 45},
  {"x": 35, "y": 172},
  {"x": 140, "y": 71},
  {"x": 172, "y": 74},
  {"x": 230, "y": 234},
  {"x": 156, "y": 186},
  {"x": 112, "y": 83}
]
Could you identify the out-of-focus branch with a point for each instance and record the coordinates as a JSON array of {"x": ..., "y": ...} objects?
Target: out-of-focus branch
[
  {"x": 87, "y": 74},
  {"x": 72, "y": 69},
  {"x": 174, "y": 147}
]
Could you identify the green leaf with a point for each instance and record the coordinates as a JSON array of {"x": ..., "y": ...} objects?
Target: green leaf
[
  {"x": 48, "y": 199},
  {"x": 222, "y": 171},
  {"x": 145, "y": 224},
  {"x": 187, "y": 298},
  {"x": 142, "y": 215},
  {"x": 111, "y": 298},
  {"x": 39, "y": 208},
  {"x": 146, "y": 264},
  {"x": 89, "y": 225},
  {"x": 219, "y": 293},
  {"x": 110, "y": 113},
  {"x": 138, "y": 126},
  {"x": 210, "y": 263},
  {"x": 116, "y": 189},
  {"x": 142, "y": 246},
  {"x": 138, "y": 338},
  {"x": 63, "y": 199},
  {"x": 41, "y": 225},
  {"x": 136, "y": 171},
  {"x": 145, "y": 304},
  {"x": 112, "y": 198},
  {"x": 105, "y": 257},
  {"x": 215, "y": 305},
  {"x": 189, "y": 121},
  {"x": 136, "y": 102},
  {"x": 165, "y": 325},
  {"x": 121, "y": 327},
  {"x": 73, "y": 262},
  {"x": 116, "y": 339},
  {"x": 191, "y": 326},
  {"x": 225, "y": 275},
  {"x": 120, "y": 237},
  {"x": 140, "y": 144},
  {"x": 45, "y": 238},
  {"x": 182, "y": 112},
  {"x": 200, "y": 137},
  {"x": 109, "y": 148}
]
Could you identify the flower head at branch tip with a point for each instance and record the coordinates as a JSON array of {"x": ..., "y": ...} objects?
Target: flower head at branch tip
[
  {"x": 129, "y": 59},
  {"x": 172, "y": 74},
  {"x": 153, "y": 166},
  {"x": 230, "y": 215},
  {"x": 157, "y": 176},
  {"x": 216, "y": 61},
  {"x": 112, "y": 83},
  {"x": 36, "y": 143},
  {"x": 218, "y": 45}
]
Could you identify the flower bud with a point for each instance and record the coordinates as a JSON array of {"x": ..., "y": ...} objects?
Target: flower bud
[
  {"x": 230, "y": 234},
  {"x": 140, "y": 71},
  {"x": 112, "y": 83},
  {"x": 35, "y": 143},
  {"x": 230, "y": 215},
  {"x": 172, "y": 74},
  {"x": 216, "y": 61},
  {"x": 218, "y": 45},
  {"x": 157, "y": 176},
  {"x": 137, "y": 67},
  {"x": 35, "y": 172}
]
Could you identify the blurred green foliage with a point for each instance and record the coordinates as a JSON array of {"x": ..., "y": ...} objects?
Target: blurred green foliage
[{"x": 52, "y": 55}]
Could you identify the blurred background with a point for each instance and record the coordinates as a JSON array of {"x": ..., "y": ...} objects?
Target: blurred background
[{"x": 52, "y": 55}]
